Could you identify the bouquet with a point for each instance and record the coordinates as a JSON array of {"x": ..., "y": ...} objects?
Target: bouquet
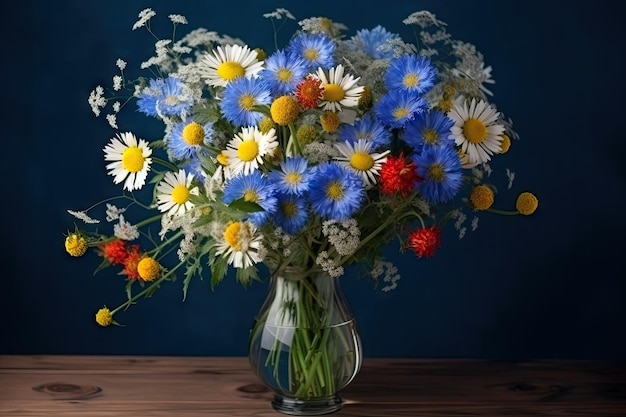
[{"x": 316, "y": 154}]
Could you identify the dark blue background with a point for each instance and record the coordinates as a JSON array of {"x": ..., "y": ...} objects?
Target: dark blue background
[{"x": 549, "y": 285}]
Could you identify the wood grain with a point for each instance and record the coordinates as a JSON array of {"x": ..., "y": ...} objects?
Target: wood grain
[{"x": 107, "y": 386}]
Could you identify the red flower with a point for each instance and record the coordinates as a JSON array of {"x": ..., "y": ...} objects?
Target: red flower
[
  {"x": 398, "y": 176},
  {"x": 309, "y": 92},
  {"x": 131, "y": 262},
  {"x": 115, "y": 251},
  {"x": 424, "y": 242}
]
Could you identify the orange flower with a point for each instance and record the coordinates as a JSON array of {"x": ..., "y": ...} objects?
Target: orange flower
[
  {"x": 309, "y": 92},
  {"x": 424, "y": 242}
]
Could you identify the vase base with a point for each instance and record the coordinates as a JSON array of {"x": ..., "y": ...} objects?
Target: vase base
[{"x": 312, "y": 407}]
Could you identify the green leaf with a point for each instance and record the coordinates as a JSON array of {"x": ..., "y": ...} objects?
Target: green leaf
[
  {"x": 245, "y": 206},
  {"x": 219, "y": 267}
]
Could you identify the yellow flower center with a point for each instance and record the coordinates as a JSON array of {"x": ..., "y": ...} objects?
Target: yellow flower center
[
  {"x": 361, "y": 161},
  {"x": 410, "y": 80},
  {"x": 293, "y": 178},
  {"x": 133, "y": 159},
  {"x": 284, "y": 110},
  {"x": 333, "y": 92},
  {"x": 231, "y": 235},
  {"x": 246, "y": 101},
  {"x": 330, "y": 121},
  {"x": 400, "y": 113},
  {"x": 436, "y": 172},
  {"x": 481, "y": 197},
  {"x": 251, "y": 195},
  {"x": 284, "y": 74},
  {"x": 193, "y": 134},
  {"x": 230, "y": 70},
  {"x": 180, "y": 194},
  {"x": 75, "y": 245},
  {"x": 171, "y": 100},
  {"x": 311, "y": 54},
  {"x": 290, "y": 209},
  {"x": 334, "y": 191},
  {"x": 148, "y": 269},
  {"x": 248, "y": 150},
  {"x": 430, "y": 136},
  {"x": 526, "y": 203},
  {"x": 474, "y": 131},
  {"x": 104, "y": 317}
]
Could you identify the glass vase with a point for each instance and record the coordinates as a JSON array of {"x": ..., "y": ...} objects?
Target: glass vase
[{"x": 304, "y": 344}]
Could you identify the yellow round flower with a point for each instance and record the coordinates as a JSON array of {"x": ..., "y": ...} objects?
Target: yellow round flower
[
  {"x": 76, "y": 244},
  {"x": 366, "y": 98},
  {"x": 306, "y": 134},
  {"x": 148, "y": 269},
  {"x": 526, "y": 203},
  {"x": 330, "y": 121},
  {"x": 506, "y": 143},
  {"x": 104, "y": 317},
  {"x": 482, "y": 197},
  {"x": 266, "y": 124},
  {"x": 285, "y": 109}
]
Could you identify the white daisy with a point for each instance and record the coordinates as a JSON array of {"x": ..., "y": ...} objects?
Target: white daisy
[
  {"x": 131, "y": 160},
  {"x": 232, "y": 62},
  {"x": 359, "y": 157},
  {"x": 476, "y": 131},
  {"x": 246, "y": 150},
  {"x": 173, "y": 193},
  {"x": 241, "y": 243},
  {"x": 339, "y": 90}
]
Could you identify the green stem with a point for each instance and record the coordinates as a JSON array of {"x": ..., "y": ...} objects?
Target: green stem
[
  {"x": 148, "y": 289},
  {"x": 166, "y": 164}
]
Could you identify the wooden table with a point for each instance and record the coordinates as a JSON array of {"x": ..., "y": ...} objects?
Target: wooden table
[{"x": 143, "y": 386}]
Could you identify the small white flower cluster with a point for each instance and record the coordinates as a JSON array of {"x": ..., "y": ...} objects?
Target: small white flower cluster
[
  {"x": 390, "y": 271},
  {"x": 460, "y": 219},
  {"x": 423, "y": 18},
  {"x": 144, "y": 16},
  {"x": 510, "y": 176},
  {"x": 321, "y": 25},
  {"x": 113, "y": 212},
  {"x": 329, "y": 265},
  {"x": 279, "y": 13},
  {"x": 96, "y": 100},
  {"x": 343, "y": 235},
  {"x": 81, "y": 215},
  {"x": 125, "y": 230}
]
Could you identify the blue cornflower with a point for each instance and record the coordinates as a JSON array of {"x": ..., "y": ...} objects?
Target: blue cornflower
[
  {"x": 335, "y": 193},
  {"x": 370, "y": 41},
  {"x": 240, "y": 96},
  {"x": 256, "y": 188},
  {"x": 187, "y": 138},
  {"x": 429, "y": 128},
  {"x": 291, "y": 214},
  {"x": 164, "y": 97},
  {"x": 440, "y": 170},
  {"x": 194, "y": 167},
  {"x": 316, "y": 49},
  {"x": 410, "y": 72},
  {"x": 283, "y": 71},
  {"x": 369, "y": 128},
  {"x": 293, "y": 177},
  {"x": 397, "y": 107}
]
